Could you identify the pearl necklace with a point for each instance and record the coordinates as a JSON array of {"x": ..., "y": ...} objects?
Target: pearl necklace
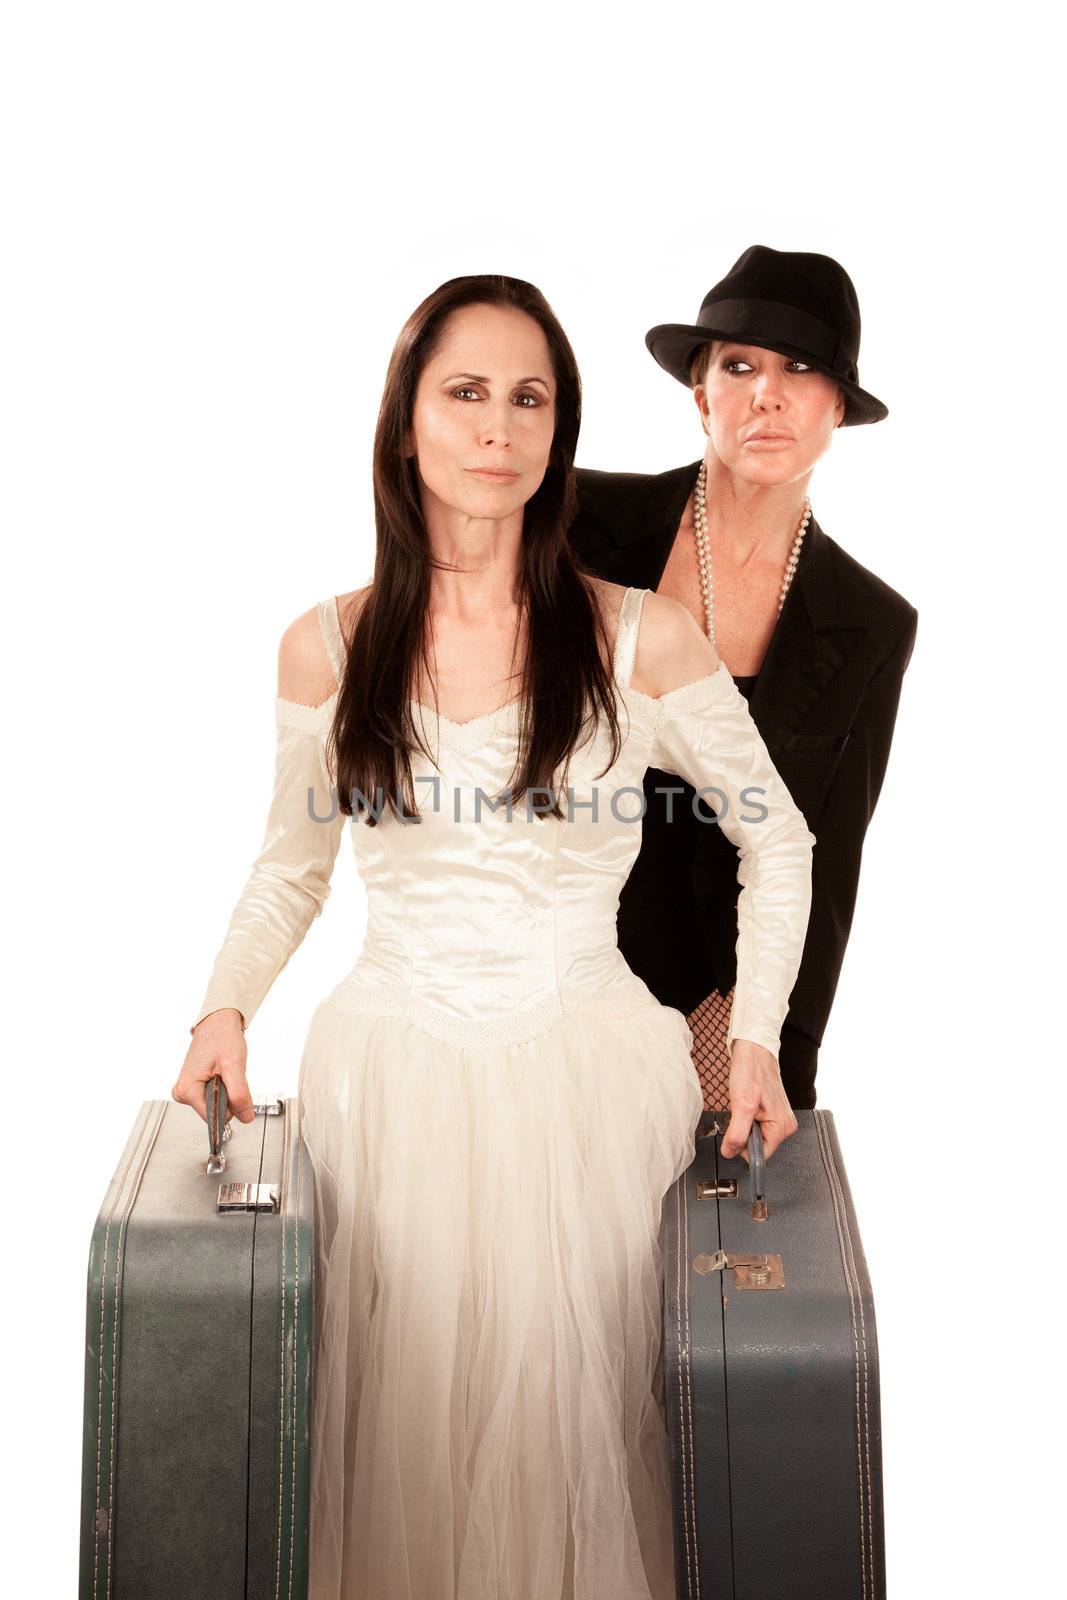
[{"x": 700, "y": 530}]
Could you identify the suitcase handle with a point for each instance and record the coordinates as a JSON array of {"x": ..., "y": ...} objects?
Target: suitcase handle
[
  {"x": 216, "y": 1102},
  {"x": 757, "y": 1166}
]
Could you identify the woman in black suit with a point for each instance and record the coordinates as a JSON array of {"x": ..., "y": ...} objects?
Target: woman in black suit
[{"x": 817, "y": 643}]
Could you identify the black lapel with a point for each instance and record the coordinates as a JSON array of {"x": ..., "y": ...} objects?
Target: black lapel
[
  {"x": 810, "y": 644},
  {"x": 642, "y": 522},
  {"x": 813, "y": 637}
]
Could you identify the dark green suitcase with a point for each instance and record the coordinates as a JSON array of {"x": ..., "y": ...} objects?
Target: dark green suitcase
[
  {"x": 770, "y": 1368},
  {"x": 198, "y": 1366}
]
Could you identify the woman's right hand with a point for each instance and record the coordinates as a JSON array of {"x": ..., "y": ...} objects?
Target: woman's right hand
[
  {"x": 757, "y": 1094},
  {"x": 218, "y": 1048}
]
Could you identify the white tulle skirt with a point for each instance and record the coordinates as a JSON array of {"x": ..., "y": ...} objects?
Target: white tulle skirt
[{"x": 487, "y": 1417}]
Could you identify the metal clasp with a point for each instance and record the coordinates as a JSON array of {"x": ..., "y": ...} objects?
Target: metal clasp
[
  {"x": 750, "y": 1271},
  {"x": 247, "y": 1197},
  {"x": 717, "y": 1189}
]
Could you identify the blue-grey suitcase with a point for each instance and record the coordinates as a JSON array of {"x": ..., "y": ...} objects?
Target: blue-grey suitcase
[
  {"x": 770, "y": 1374},
  {"x": 198, "y": 1360}
]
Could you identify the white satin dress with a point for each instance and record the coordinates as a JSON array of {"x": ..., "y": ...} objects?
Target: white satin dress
[{"x": 494, "y": 1107}]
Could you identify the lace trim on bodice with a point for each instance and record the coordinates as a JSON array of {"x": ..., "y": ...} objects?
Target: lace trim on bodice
[
  {"x": 306, "y": 719},
  {"x": 469, "y": 736},
  {"x": 656, "y": 710},
  {"x": 358, "y": 997}
]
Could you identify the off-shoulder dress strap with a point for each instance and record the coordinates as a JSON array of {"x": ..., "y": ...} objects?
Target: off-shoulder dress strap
[
  {"x": 330, "y": 623},
  {"x": 626, "y": 635}
]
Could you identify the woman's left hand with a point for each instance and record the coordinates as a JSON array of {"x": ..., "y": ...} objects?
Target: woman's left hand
[{"x": 757, "y": 1094}]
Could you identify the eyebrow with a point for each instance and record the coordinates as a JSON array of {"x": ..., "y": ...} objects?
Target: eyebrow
[{"x": 478, "y": 378}]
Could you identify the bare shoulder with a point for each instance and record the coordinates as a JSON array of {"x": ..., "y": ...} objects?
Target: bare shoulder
[
  {"x": 305, "y": 673},
  {"x": 672, "y": 648}
]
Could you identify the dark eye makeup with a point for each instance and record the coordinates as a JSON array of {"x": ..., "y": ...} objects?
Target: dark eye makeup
[
  {"x": 466, "y": 388},
  {"x": 729, "y": 362}
]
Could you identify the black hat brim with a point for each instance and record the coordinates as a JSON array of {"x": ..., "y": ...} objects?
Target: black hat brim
[{"x": 674, "y": 344}]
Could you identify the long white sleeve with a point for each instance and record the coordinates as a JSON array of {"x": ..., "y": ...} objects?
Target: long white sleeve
[
  {"x": 705, "y": 734},
  {"x": 290, "y": 878}
]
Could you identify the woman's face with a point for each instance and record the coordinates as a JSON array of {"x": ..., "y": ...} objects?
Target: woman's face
[
  {"x": 769, "y": 418},
  {"x": 484, "y": 413}
]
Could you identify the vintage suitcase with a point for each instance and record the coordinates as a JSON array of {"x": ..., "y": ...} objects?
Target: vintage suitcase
[
  {"x": 770, "y": 1368},
  {"x": 199, "y": 1335}
]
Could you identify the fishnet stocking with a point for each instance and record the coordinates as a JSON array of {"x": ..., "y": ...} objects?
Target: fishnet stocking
[{"x": 709, "y": 1023}]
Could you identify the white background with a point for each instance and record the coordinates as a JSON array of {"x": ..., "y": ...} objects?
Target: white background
[{"x": 216, "y": 218}]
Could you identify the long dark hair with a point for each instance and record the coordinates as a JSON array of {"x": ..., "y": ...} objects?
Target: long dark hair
[{"x": 564, "y": 678}]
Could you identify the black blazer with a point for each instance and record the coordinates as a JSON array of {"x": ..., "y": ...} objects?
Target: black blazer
[{"x": 825, "y": 704}]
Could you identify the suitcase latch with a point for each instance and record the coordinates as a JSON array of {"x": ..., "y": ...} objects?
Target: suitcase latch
[
  {"x": 717, "y": 1189},
  {"x": 750, "y": 1271},
  {"x": 726, "y": 1189},
  {"x": 247, "y": 1197}
]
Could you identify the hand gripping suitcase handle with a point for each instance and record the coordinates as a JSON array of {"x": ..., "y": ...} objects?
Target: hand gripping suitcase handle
[{"x": 216, "y": 1102}]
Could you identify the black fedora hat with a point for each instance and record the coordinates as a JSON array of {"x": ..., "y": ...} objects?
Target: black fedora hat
[{"x": 798, "y": 304}]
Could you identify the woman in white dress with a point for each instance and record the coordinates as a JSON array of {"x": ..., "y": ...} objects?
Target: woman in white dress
[{"x": 493, "y": 1103}]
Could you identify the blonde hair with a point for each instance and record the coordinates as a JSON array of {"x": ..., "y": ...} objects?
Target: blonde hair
[{"x": 698, "y": 366}]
